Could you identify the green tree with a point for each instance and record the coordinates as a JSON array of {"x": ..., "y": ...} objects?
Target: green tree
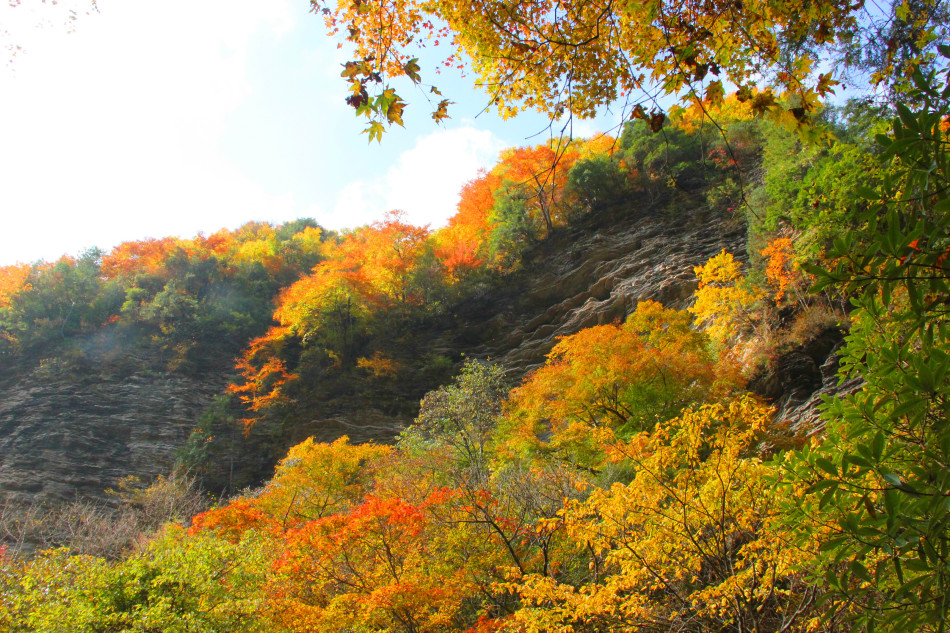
[{"x": 875, "y": 490}]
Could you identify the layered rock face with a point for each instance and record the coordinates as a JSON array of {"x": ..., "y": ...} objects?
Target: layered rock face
[
  {"x": 65, "y": 435},
  {"x": 66, "y": 432},
  {"x": 593, "y": 274}
]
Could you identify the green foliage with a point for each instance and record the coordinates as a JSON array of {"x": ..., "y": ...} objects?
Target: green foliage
[
  {"x": 809, "y": 187},
  {"x": 513, "y": 229},
  {"x": 461, "y": 418},
  {"x": 175, "y": 585},
  {"x": 878, "y": 484},
  {"x": 597, "y": 182}
]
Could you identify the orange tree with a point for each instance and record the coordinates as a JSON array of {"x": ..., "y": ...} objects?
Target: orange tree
[{"x": 617, "y": 378}]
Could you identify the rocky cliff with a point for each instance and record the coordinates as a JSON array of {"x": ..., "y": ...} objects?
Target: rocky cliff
[
  {"x": 593, "y": 273},
  {"x": 66, "y": 431}
]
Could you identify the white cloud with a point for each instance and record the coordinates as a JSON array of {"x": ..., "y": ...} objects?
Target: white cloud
[
  {"x": 111, "y": 132},
  {"x": 424, "y": 182}
]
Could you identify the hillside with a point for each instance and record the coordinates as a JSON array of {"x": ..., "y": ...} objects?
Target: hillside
[
  {"x": 69, "y": 428},
  {"x": 593, "y": 404}
]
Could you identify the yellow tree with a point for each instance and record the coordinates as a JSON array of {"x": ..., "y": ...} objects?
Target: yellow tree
[
  {"x": 723, "y": 298},
  {"x": 13, "y": 279},
  {"x": 690, "y": 544},
  {"x": 571, "y": 57}
]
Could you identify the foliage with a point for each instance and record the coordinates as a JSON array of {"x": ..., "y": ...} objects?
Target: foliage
[
  {"x": 383, "y": 566},
  {"x": 620, "y": 379},
  {"x": 598, "y": 182},
  {"x": 574, "y": 57},
  {"x": 626, "y": 484},
  {"x": 166, "y": 299},
  {"x": 723, "y": 298},
  {"x": 462, "y": 417},
  {"x": 877, "y": 485},
  {"x": 690, "y": 544}
]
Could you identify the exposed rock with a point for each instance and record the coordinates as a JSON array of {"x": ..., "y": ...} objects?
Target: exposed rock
[
  {"x": 582, "y": 278},
  {"x": 63, "y": 435},
  {"x": 799, "y": 381}
]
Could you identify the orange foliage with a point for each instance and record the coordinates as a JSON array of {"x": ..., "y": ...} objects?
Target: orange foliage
[
  {"x": 231, "y": 521},
  {"x": 219, "y": 243},
  {"x": 382, "y": 566},
  {"x": 781, "y": 269},
  {"x": 13, "y": 280},
  {"x": 541, "y": 171},
  {"x": 144, "y": 256},
  {"x": 613, "y": 378},
  {"x": 330, "y": 298},
  {"x": 314, "y": 481},
  {"x": 389, "y": 250},
  {"x": 460, "y": 244},
  {"x": 263, "y": 372}
]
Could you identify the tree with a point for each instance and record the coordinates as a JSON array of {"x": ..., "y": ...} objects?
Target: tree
[
  {"x": 612, "y": 379},
  {"x": 875, "y": 490},
  {"x": 723, "y": 297},
  {"x": 384, "y": 565},
  {"x": 573, "y": 57},
  {"x": 692, "y": 543},
  {"x": 461, "y": 245},
  {"x": 461, "y": 418},
  {"x": 536, "y": 177}
]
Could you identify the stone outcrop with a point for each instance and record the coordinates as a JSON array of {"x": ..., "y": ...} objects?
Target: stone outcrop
[
  {"x": 65, "y": 434},
  {"x": 595, "y": 275}
]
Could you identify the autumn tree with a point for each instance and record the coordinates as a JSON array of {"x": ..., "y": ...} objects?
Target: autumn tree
[
  {"x": 574, "y": 57},
  {"x": 724, "y": 298},
  {"x": 534, "y": 178},
  {"x": 390, "y": 250},
  {"x": 691, "y": 543},
  {"x": 613, "y": 379},
  {"x": 461, "y": 246},
  {"x": 12, "y": 280},
  {"x": 383, "y": 565}
]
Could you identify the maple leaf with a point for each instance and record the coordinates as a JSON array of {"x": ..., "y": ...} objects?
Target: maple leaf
[
  {"x": 825, "y": 83},
  {"x": 375, "y": 131},
  {"x": 394, "y": 112},
  {"x": 350, "y": 70},
  {"x": 441, "y": 112},
  {"x": 715, "y": 93},
  {"x": 412, "y": 70}
]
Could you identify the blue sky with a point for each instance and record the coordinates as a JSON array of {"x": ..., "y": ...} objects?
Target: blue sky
[{"x": 151, "y": 119}]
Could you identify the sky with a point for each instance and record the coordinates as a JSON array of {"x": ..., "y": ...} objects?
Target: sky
[{"x": 150, "y": 119}]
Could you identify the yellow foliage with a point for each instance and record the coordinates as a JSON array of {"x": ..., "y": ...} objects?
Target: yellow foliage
[
  {"x": 572, "y": 56},
  {"x": 13, "y": 279},
  {"x": 723, "y": 298},
  {"x": 316, "y": 480},
  {"x": 613, "y": 379},
  {"x": 691, "y": 543},
  {"x": 378, "y": 365}
]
